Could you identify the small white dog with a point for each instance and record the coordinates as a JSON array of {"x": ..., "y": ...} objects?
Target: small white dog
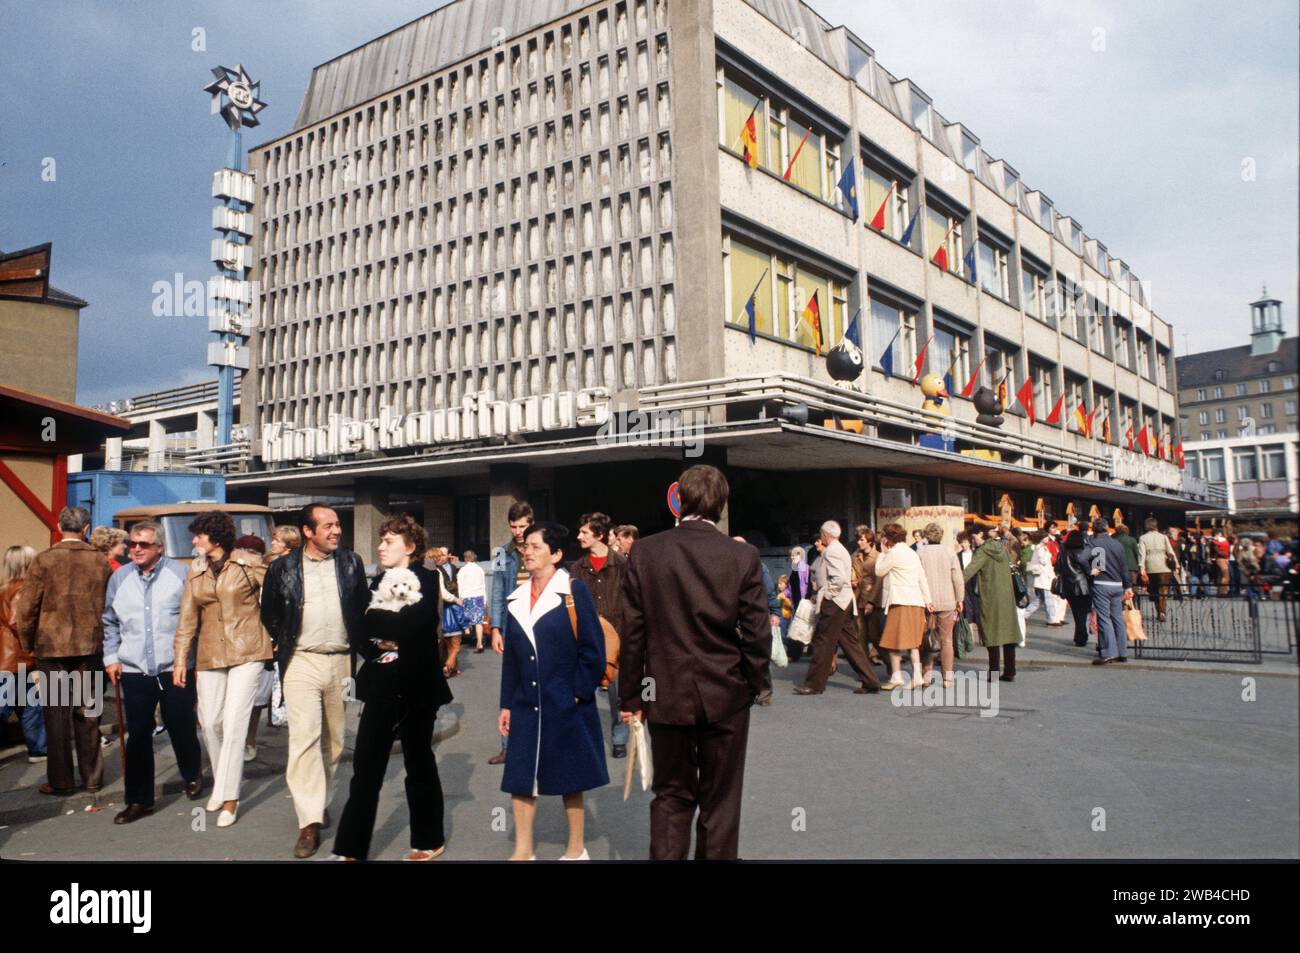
[{"x": 399, "y": 588}]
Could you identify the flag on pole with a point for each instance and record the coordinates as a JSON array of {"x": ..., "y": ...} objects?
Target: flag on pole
[
  {"x": 849, "y": 187},
  {"x": 1091, "y": 415},
  {"x": 907, "y": 232},
  {"x": 1105, "y": 429},
  {"x": 1142, "y": 440},
  {"x": 878, "y": 220},
  {"x": 920, "y": 360},
  {"x": 1002, "y": 390},
  {"x": 1182, "y": 460},
  {"x": 1080, "y": 420},
  {"x": 887, "y": 358},
  {"x": 969, "y": 262},
  {"x": 813, "y": 315},
  {"x": 947, "y": 375},
  {"x": 790, "y": 167},
  {"x": 970, "y": 384},
  {"x": 853, "y": 332},
  {"x": 940, "y": 257},
  {"x": 749, "y": 138},
  {"x": 750, "y": 308},
  {"x": 1026, "y": 397},
  {"x": 1128, "y": 436},
  {"x": 1055, "y": 416}
]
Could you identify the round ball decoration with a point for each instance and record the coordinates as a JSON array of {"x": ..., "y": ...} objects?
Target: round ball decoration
[{"x": 844, "y": 362}]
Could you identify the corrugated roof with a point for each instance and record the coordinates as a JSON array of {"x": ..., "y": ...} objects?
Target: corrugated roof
[{"x": 1197, "y": 370}]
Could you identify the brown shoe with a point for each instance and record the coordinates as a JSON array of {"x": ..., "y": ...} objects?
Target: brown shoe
[
  {"x": 805, "y": 690},
  {"x": 56, "y": 792},
  {"x": 132, "y": 813},
  {"x": 308, "y": 842},
  {"x": 194, "y": 789},
  {"x": 498, "y": 758}
]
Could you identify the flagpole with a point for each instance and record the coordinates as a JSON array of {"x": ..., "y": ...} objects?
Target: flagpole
[{"x": 790, "y": 167}]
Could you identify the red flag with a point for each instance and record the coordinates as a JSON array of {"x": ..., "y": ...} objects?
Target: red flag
[
  {"x": 920, "y": 360},
  {"x": 1080, "y": 420},
  {"x": 1128, "y": 437},
  {"x": 1026, "y": 397},
  {"x": 1182, "y": 460},
  {"x": 878, "y": 220},
  {"x": 1090, "y": 417},
  {"x": 941, "y": 256},
  {"x": 1142, "y": 440},
  {"x": 1055, "y": 416},
  {"x": 1105, "y": 430},
  {"x": 790, "y": 167},
  {"x": 813, "y": 315},
  {"x": 970, "y": 384}
]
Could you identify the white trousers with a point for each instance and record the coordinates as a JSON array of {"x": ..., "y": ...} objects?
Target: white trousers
[{"x": 225, "y": 705}]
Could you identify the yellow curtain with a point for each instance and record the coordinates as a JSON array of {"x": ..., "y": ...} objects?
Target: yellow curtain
[
  {"x": 747, "y": 265},
  {"x": 806, "y": 171},
  {"x": 877, "y": 187},
  {"x": 739, "y": 101}
]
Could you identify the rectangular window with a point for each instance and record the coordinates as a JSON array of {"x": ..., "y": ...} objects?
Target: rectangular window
[
  {"x": 943, "y": 231},
  {"x": 738, "y": 103},
  {"x": 1218, "y": 392},
  {"x": 901, "y": 493},
  {"x": 1212, "y": 463},
  {"x": 1222, "y": 435},
  {"x": 1203, "y": 417},
  {"x": 1031, "y": 293},
  {"x": 1265, "y": 386},
  {"x": 1144, "y": 357},
  {"x": 746, "y": 267},
  {"x": 1288, "y": 383},
  {"x": 1245, "y": 465},
  {"x": 1266, "y": 410},
  {"x": 886, "y": 202},
  {"x": 1044, "y": 390},
  {"x": 1121, "y": 344},
  {"x": 1274, "y": 462},
  {"x": 1200, "y": 393},
  {"x": 805, "y": 172},
  {"x": 1289, "y": 407},
  {"x": 951, "y": 357},
  {"x": 1205, "y": 435},
  {"x": 1242, "y": 412},
  {"x": 1241, "y": 390},
  {"x": 886, "y": 319},
  {"x": 993, "y": 271}
]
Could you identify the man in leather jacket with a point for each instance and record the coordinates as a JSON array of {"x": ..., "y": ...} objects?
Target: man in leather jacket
[{"x": 313, "y": 600}]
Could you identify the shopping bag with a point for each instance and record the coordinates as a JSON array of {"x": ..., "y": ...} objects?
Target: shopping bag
[
  {"x": 779, "y": 658},
  {"x": 1133, "y": 622},
  {"x": 962, "y": 642},
  {"x": 638, "y": 757},
  {"x": 803, "y": 623}
]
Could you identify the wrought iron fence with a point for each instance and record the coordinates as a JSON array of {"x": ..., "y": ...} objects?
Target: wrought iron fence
[{"x": 1212, "y": 628}]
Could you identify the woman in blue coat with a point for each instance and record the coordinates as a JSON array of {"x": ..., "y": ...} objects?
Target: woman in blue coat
[{"x": 553, "y": 663}]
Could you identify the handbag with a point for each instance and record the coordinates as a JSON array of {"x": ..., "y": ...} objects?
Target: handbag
[
  {"x": 611, "y": 641},
  {"x": 801, "y": 626},
  {"x": 779, "y": 658},
  {"x": 933, "y": 642},
  {"x": 962, "y": 643},
  {"x": 1133, "y": 622},
  {"x": 1020, "y": 588},
  {"x": 638, "y": 756}
]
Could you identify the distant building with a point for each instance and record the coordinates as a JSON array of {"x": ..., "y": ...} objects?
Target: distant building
[{"x": 1238, "y": 416}]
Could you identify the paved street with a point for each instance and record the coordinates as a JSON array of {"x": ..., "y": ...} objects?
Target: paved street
[{"x": 1180, "y": 764}]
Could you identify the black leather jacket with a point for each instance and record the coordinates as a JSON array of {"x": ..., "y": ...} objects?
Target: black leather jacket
[
  {"x": 416, "y": 677},
  {"x": 282, "y": 598}
]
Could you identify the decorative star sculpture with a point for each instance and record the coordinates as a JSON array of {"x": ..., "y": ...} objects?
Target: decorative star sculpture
[{"x": 235, "y": 96}]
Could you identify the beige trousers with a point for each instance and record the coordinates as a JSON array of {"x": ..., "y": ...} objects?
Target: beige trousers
[{"x": 314, "y": 686}]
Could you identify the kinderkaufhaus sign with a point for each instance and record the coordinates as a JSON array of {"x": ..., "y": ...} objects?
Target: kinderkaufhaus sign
[
  {"x": 1137, "y": 468},
  {"x": 477, "y": 418}
]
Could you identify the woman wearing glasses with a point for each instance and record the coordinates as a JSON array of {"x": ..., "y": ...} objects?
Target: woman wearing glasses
[{"x": 553, "y": 663}]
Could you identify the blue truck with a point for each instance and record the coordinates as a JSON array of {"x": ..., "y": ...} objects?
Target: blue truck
[{"x": 123, "y": 497}]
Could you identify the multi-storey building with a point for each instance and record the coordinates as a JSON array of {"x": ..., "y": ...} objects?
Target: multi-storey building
[
  {"x": 477, "y": 243},
  {"x": 1239, "y": 417}
]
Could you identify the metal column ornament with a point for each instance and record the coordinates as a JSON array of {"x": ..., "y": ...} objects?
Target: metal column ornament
[{"x": 236, "y": 97}]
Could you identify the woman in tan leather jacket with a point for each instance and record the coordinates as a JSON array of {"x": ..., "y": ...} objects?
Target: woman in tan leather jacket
[{"x": 220, "y": 609}]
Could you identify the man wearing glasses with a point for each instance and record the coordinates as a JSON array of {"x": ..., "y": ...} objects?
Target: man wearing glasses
[{"x": 141, "y": 609}]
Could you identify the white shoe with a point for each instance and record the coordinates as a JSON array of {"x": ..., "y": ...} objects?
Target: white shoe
[
  {"x": 36, "y": 758},
  {"x": 250, "y": 752},
  {"x": 583, "y": 856},
  {"x": 214, "y": 804},
  {"x": 228, "y": 818}
]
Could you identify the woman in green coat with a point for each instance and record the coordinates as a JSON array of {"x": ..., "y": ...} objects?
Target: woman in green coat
[{"x": 999, "y": 627}]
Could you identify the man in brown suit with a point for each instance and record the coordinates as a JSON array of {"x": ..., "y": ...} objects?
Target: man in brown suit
[
  {"x": 695, "y": 653},
  {"x": 60, "y": 621}
]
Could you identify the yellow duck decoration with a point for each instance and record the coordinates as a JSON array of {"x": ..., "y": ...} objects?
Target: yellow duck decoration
[{"x": 936, "y": 396}]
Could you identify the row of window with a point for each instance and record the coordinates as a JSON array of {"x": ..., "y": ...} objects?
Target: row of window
[
  {"x": 781, "y": 287},
  {"x": 788, "y": 145},
  {"x": 1267, "y": 462},
  {"x": 1243, "y": 412},
  {"x": 1261, "y": 430},
  {"x": 1242, "y": 389}
]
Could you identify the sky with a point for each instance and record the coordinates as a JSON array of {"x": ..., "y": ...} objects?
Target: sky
[{"x": 1167, "y": 129}]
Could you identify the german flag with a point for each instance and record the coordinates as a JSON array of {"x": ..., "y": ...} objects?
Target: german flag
[
  {"x": 749, "y": 139},
  {"x": 813, "y": 315}
]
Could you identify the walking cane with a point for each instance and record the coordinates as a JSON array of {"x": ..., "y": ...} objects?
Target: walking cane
[{"x": 121, "y": 724}]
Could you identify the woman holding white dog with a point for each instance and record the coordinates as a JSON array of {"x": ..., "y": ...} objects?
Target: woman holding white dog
[{"x": 403, "y": 687}]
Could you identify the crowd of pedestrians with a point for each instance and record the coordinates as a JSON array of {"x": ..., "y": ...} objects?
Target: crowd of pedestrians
[{"x": 677, "y": 631}]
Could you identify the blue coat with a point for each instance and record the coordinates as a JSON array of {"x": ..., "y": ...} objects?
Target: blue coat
[{"x": 556, "y": 745}]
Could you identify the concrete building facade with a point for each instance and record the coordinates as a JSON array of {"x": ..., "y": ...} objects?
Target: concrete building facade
[{"x": 496, "y": 228}]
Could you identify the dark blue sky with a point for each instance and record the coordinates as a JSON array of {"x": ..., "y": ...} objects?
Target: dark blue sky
[{"x": 1142, "y": 142}]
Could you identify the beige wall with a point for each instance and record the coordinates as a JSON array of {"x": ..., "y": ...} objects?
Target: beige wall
[
  {"x": 40, "y": 348},
  {"x": 18, "y": 524}
]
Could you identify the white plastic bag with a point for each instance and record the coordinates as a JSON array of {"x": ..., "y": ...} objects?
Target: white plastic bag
[
  {"x": 779, "y": 658},
  {"x": 803, "y": 623},
  {"x": 638, "y": 757}
]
